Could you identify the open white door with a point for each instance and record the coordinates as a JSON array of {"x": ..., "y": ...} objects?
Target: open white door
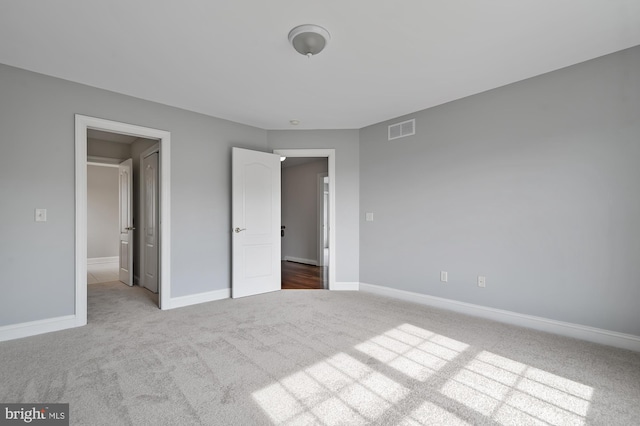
[
  {"x": 255, "y": 204},
  {"x": 151, "y": 240},
  {"x": 126, "y": 223}
]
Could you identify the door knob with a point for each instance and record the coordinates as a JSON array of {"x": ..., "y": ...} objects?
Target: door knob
[
  {"x": 238, "y": 230},
  {"x": 130, "y": 228}
]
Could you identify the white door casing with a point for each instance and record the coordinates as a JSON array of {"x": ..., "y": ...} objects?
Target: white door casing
[
  {"x": 82, "y": 123},
  {"x": 150, "y": 231},
  {"x": 125, "y": 250},
  {"x": 322, "y": 227},
  {"x": 255, "y": 204}
]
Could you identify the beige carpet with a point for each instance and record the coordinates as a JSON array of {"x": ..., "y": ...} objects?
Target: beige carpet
[{"x": 314, "y": 357}]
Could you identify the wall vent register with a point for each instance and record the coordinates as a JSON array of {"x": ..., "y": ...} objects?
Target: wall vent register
[{"x": 403, "y": 129}]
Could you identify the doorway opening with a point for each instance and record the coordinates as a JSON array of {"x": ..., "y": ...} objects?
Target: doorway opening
[
  {"x": 105, "y": 144},
  {"x": 122, "y": 184},
  {"x": 304, "y": 230},
  {"x": 308, "y": 254}
]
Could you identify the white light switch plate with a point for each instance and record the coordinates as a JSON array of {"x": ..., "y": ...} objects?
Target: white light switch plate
[
  {"x": 41, "y": 215},
  {"x": 369, "y": 217}
]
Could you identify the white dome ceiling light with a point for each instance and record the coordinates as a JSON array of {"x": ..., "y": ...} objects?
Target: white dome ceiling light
[{"x": 309, "y": 39}]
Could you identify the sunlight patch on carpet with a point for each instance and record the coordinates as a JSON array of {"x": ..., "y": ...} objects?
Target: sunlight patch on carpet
[
  {"x": 511, "y": 392},
  {"x": 338, "y": 390},
  {"x": 432, "y": 414},
  {"x": 343, "y": 390},
  {"x": 414, "y": 351}
]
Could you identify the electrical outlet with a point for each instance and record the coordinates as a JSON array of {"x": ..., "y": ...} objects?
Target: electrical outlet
[
  {"x": 41, "y": 215},
  {"x": 482, "y": 281},
  {"x": 443, "y": 276}
]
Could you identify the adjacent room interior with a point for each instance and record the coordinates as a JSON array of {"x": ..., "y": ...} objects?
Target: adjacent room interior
[
  {"x": 353, "y": 212},
  {"x": 305, "y": 223},
  {"x": 117, "y": 200}
]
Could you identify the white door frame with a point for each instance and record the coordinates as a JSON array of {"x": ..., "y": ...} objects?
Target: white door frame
[
  {"x": 320, "y": 224},
  {"x": 82, "y": 123},
  {"x": 141, "y": 222},
  {"x": 330, "y": 155}
]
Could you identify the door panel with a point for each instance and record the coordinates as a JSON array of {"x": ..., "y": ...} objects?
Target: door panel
[
  {"x": 150, "y": 235},
  {"x": 256, "y": 222},
  {"x": 126, "y": 223},
  {"x": 257, "y": 260},
  {"x": 257, "y": 199}
]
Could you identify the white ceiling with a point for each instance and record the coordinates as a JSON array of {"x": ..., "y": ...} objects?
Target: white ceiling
[{"x": 231, "y": 59}]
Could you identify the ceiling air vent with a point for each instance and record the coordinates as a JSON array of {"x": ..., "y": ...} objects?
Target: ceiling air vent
[{"x": 400, "y": 130}]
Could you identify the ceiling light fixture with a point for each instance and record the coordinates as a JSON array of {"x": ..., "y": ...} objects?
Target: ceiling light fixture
[
  {"x": 294, "y": 122},
  {"x": 309, "y": 39},
  {"x": 282, "y": 159}
]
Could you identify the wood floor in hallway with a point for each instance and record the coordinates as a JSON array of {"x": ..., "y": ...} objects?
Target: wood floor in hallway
[{"x": 303, "y": 277}]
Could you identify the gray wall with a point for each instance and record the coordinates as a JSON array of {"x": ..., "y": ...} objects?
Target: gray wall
[
  {"x": 37, "y": 171},
  {"x": 108, "y": 149},
  {"x": 102, "y": 211},
  {"x": 300, "y": 209},
  {"x": 347, "y": 182},
  {"x": 534, "y": 185}
]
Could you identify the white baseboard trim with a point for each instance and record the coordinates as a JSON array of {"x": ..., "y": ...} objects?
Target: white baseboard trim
[
  {"x": 591, "y": 334},
  {"x": 96, "y": 260},
  {"x": 32, "y": 328},
  {"x": 301, "y": 260},
  {"x": 194, "y": 299},
  {"x": 345, "y": 286}
]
